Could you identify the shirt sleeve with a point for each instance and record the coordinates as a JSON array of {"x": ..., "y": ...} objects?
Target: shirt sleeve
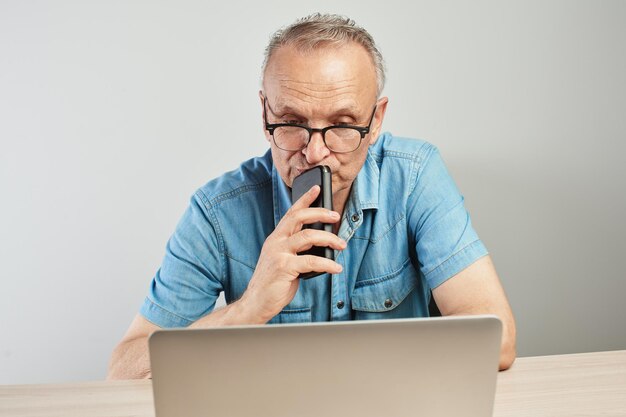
[
  {"x": 187, "y": 285},
  {"x": 445, "y": 240}
]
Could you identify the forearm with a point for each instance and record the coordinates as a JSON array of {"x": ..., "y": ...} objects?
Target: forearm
[
  {"x": 477, "y": 290},
  {"x": 507, "y": 348},
  {"x": 238, "y": 313},
  {"x": 130, "y": 360}
]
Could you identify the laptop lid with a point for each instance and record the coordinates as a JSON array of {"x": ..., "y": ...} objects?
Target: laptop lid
[{"x": 432, "y": 367}]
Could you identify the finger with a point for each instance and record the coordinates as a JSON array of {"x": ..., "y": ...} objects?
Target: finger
[
  {"x": 295, "y": 219},
  {"x": 308, "y": 263},
  {"x": 307, "y": 198},
  {"x": 308, "y": 238},
  {"x": 314, "y": 215}
]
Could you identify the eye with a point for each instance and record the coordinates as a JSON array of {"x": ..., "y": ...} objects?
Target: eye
[
  {"x": 344, "y": 120},
  {"x": 292, "y": 119}
]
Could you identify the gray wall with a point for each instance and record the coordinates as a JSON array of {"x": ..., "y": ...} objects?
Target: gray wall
[{"x": 113, "y": 113}]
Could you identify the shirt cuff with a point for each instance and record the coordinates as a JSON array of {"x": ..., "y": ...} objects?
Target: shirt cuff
[
  {"x": 160, "y": 316},
  {"x": 456, "y": 263}
]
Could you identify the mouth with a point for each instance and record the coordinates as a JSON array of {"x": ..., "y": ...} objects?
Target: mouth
[{"x": 299, "y": 171}]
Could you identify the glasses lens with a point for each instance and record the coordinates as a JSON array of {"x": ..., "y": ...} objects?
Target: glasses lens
[
  {"x": 291, "y": 138},
  {"x": 340, "y": 139}
]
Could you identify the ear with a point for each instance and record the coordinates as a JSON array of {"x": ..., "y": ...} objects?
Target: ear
[
  {"x": 267, "y": 134},
  {"x": 377, "y": 123}
]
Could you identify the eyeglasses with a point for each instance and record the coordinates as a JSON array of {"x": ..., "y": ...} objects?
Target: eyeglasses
[{"x": 295, "y": 137}]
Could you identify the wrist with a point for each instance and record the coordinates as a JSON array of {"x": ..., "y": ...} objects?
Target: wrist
[{"x": 249, "y": 310}]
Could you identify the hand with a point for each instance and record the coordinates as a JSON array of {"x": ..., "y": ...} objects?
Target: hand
[{"x": 275, "y": 279}]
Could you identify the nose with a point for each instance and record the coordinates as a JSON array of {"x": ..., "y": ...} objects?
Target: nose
[{"x": 316, "y": 150}]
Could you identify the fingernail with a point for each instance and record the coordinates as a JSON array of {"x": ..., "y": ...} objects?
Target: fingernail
[{"x": 334, "y": 214}]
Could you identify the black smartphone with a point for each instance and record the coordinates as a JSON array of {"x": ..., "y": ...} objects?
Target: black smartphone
[{"x": 319, "y": 175}]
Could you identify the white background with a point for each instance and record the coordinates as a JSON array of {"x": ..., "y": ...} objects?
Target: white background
[{"x": 113, "y": 113}]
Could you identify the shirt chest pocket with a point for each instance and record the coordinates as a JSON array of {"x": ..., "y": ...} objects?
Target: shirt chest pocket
[
  {"x": 298, "y": 315},
  {"x": 383, "y": 297}
]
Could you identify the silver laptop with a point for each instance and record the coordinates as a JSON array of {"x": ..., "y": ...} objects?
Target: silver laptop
[{"x": 388, "y": 368}]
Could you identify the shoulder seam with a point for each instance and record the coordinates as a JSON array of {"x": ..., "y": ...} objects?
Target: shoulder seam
[
  {"x": 422, "y": 154},
  {"x": 232, "y": 193}
]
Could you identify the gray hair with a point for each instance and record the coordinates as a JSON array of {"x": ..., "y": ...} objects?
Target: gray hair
[{"x": 317, "y": 30}]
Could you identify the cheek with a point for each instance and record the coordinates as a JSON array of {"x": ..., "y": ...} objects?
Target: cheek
[
  {"x": 350, "y": 165},
  {"x": 282, "y": 162}
]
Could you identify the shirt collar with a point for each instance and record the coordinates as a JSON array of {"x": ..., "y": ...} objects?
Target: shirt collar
[{"x": 366, "y": 184}]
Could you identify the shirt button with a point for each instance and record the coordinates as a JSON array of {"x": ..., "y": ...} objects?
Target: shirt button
[
  {"x": 340, "y": 304},
  {"x": 355, "y": 218},
  {"x": 388, "y": 303}
]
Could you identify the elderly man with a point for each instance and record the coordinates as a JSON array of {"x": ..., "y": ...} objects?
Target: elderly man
[{"x": 400, "y": 228}]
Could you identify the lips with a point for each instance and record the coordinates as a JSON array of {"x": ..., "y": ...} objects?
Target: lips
[{"x": 299, "y": 171}]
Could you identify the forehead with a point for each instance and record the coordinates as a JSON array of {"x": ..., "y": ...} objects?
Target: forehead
[{"x": 342, "y": 72}]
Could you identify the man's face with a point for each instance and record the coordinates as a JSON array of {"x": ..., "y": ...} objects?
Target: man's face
[{"x": 328, "y": 86}]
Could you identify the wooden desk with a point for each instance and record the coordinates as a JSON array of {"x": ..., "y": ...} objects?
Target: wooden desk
[{"x": 588, "y": 384}]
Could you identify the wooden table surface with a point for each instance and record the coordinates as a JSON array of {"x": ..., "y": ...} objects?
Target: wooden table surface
[{"x": 587, "y": 384}]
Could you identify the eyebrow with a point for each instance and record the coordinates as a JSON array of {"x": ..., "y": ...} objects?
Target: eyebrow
[{"x": 349, "y": 111}]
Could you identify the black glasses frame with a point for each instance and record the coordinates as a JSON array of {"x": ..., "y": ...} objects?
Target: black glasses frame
[{"x": 270, "y": 127}]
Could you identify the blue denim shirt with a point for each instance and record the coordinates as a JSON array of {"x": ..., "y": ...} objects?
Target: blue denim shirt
[{"x": 405, "y": 224}]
